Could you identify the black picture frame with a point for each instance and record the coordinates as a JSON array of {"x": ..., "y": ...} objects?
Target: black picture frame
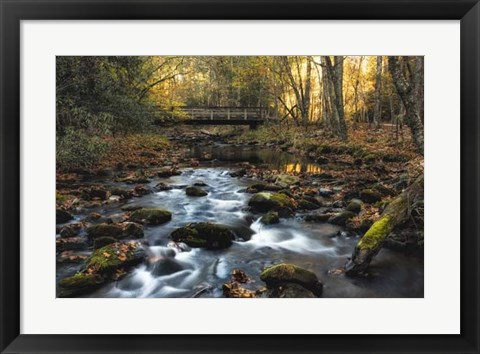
[{"x": 13, "y": 11}]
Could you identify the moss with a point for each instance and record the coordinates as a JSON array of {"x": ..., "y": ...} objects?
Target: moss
[
  {"x": 118, "y": 231},
  {"x": 376, "y": 234},
  {"x": 204, "y": 235},
  {"x": 79, "y": 283},
  {"x": 354, "y": 206},
  {"x": 281, "y": 274},
  {"x": 307, "y": 205},
  {"x": 285, "y": 180},
  {"x": 109, "y": 258},
  {"x": 270, "y": 218},
  {"x": 153, "y": 216},
  {"x": 194, "y": 191},
  {"x": 266, "y": 201}
]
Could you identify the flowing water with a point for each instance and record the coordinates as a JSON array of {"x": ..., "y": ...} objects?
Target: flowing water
[{"x": 198, "y": 272}]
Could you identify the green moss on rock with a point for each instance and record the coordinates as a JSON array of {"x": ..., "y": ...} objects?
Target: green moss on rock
[
  {"x": 282, "y": 274},
  {"x": 117, "y": 231},
  {"x": 151, "y": 216},
  {"x": 108, "y": 259},
  {"x": 266, "y": 201},
  {"x": 270, "y": 218},
  {"x": 355, "y": 206},
  {"x": 103, "y": 241},
  {"x": 79, "y": 284},
  {"x": 204, "y": 235}
]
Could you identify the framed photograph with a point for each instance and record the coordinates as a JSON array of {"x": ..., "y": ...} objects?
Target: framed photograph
[{"x": 239, "y": 177}]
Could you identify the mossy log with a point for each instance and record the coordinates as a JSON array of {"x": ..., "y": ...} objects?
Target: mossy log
[{"x": 394, "y": 214}]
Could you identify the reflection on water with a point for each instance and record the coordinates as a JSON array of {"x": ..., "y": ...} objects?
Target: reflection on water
[
  {"x": 301, "y": 168},
  {"x": 279, "y": 160}
]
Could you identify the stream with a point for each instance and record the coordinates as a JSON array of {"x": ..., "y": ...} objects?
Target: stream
[{"x": 318, "y": 247}]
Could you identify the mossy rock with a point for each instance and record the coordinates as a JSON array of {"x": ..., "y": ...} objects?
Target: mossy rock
[
  {"x": 151, "y": 216},
  {"x": 122, "y": 193},
  {"x": 355, "y": 206},
  {"x": 165, "y": 266},
  {"x": 341, "y": 218},
  {"x": 108, "y": 259},
  {"x": 194, "y": 191},
  {"x": 270, "y": 218},
  {"x": 63, "y": 216},
  {"x": 71, "y": 243},
  {"x": 307, "y": 205},
  {"x": 71, "y": 230},
  {"x": 370, "y": 196},
  {"x": 204, "y": 235},
  {"x": 79, "y": 284},
  {"x": 103, "y": 241},
  {"x": 290, "y": 290},
  {"x": 259, "y": 187},
  {"x": 117, "y": 231},
  {"x": 317, "y": 217},
  {"x": 285, "y": 180},
  {"x": 283, "y": 274},
  {"x": 266, "y": 201}
]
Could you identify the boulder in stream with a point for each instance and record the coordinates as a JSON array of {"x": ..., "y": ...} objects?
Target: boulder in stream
[
  {"x": 80, "y": 283},
  {"x": 204, "y": 235},
  {"x": 266, "y": 201},
  {"x": 194, "y": 191},
  {"x": 151, "y": 216},
  {"x": 282, "y": 276},
  {"x": 341, "y": 218},
  {"x": 270, "y": 218},
  {"x": 117, "y": 231}
]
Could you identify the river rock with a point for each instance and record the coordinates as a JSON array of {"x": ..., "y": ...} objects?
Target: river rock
[
  {"x": 79, "y": 284},
  {"x": 162, "y": 187},
  {"x": 100, "y": 242},
  {"x": 355, "y": 206},
  {"x": 71, "y": 243},
  {"x": 284, "y": 274},
  {"x": 117, "y": 231},
  {"x": 168, "y": 172},
  {"x": 370, "y": 196},
  {"x": 108, "y": 259},
  {"x": 305, "y": 204},
  {"x": 204, "y": 235},
  {"x": 317, "y": 217},
  {"x": 325, "y": 192},
  {"x": 239, "y": 173},
  {"x": 151, "y": 216},
  {"x": 96, "y": 193},
  {"x": 285, "y": 180},
  {"x": 194, "y": 191},
  {"x": 141, "y": 190},
  {"x": 266, "y": 201},
  {"x": 290, "y": 290},
  {"x": 259, "y": 187},
  {"x": 71, "y": 230},
  {"x": 341, "y": 218},
  {"x": 63, "y": 216},
  {"x": 270, "y": 218}
]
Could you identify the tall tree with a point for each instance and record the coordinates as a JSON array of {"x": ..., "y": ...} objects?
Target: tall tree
[
  {"x": 406, "y": 83},
  {"x": 334, "y": 75},
  {"x": 378, "y": 93}
]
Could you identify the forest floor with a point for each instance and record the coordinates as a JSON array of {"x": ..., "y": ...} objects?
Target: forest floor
[{"x": 373, "y": 166}]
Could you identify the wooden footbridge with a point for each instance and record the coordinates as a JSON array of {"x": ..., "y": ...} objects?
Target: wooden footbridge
[{"x": 251, "y": 116}]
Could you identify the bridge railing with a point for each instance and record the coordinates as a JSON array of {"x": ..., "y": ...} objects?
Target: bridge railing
[{"x": 222, "y": 113}]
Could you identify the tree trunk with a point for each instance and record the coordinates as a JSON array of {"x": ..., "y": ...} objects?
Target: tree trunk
[
  {"x": 308, "y": 87},
  {"x": 378, "y": 91},
  {"x": 394, "y": 214},
  {"x": 335, "y": 79},
  {"x": 407, "y": 92}
]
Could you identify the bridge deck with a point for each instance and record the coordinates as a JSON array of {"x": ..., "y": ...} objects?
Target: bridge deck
[{"x": 221, "y": 115}]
